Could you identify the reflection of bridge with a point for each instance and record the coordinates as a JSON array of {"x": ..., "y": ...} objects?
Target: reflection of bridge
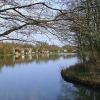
[{"x": 18, "y": 51}]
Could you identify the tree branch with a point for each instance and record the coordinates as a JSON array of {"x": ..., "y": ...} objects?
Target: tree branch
[
  {"x": 13, "y": 29},
  {"x": 40, "y": 3}
]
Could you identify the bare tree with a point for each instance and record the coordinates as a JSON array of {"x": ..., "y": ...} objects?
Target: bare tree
[
  {"x": 23, "y": 19},
  {"x": 74, "y": 21},
  {"x": 20, "y": 21}
]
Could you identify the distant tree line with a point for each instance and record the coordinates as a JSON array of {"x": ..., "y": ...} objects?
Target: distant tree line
[{"x": 6, "y": 48}]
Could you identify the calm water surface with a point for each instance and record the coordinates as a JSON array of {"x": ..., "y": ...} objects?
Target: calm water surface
[{"x": 39, "y": 78}]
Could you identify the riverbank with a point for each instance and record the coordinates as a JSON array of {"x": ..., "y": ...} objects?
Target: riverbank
[{"x": 85, "y": 75}]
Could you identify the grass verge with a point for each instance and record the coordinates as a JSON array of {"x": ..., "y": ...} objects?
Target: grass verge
[{"x": 86, "y": 75}]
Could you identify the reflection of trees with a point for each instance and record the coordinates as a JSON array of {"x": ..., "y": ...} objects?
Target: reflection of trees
[
  {"x": 68, "y": 56},
  {"x": 71, "y": 91},
  {"x": 10, "y": 61},
  {"x": 6, "y": 60},
  {"x": 44, "y": 58}
]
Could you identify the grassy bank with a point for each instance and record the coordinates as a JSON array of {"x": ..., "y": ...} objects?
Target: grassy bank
[{"x": 86, "y": 75}]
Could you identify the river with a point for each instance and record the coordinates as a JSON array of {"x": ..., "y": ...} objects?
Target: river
[{"x": 39, "y": 78}]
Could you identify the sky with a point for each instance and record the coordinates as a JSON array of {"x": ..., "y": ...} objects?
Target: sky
[
  {"x": 50, "y": 39},
  {"x": 40, "y": 37}
]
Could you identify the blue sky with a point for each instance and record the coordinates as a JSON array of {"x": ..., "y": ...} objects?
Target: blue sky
[
  {"x": 50, "y": 39},
  {"x": 40, "y": 37}
]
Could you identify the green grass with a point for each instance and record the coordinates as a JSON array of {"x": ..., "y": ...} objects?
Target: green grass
[{"x": 88, "y": 75}]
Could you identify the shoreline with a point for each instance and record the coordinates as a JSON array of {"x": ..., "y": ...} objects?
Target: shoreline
[{"x": 75, "y": 77}]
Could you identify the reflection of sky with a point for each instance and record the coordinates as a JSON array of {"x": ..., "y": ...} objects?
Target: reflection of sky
[
  {"x": 41, "y": 81},
  {"x": 32, "y": 81}
]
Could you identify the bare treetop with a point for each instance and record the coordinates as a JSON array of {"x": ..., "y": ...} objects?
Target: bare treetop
[{"x": 22, "y": 19}]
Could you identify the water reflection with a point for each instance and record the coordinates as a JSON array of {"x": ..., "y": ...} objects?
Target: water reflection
[
  {"x": 38, "y": 77},
  {"x": 12, "y": 60},
  {"x": 71, "y": 91}
]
